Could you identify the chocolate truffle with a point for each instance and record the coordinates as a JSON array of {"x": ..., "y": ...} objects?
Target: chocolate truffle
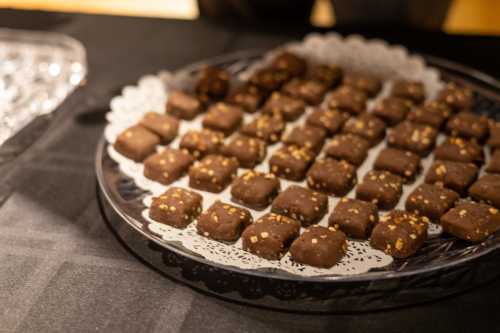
[
  {"x": 431, "y": 201},
  {"x": 309, "y": 91},
  {"x": 366, "y": 126},
  {"x": 168, "y": 165},
  {"x": 459, "y": 150},
  {"x": 247, "y": 150},
  {"x": 165, "y": 126},
  {"x": 249, "y": 97},
  {"x": 213, "y": 173},
  {"x": 457, "y": 97},
  {"x": 348, "y": 99},
  {"x": 412, "y": 90},
  {"x": 416, "y": 138},
  {"x": 291, "y": 162},
  {"x": 306, "y": 136},
  {"x": 270, "y": 236},
  {"x": 223, "y": 222},
  {"x": 255, "y": 189},
  {"x": 136, "y": 143},
  {"x": 457, "y": 176},
  {"x": 176, "y": 207},
  {"x": 202, "y": 143},
  {"x": 331, "y": 176},
  {"x": 368, "y": 84},
  {"x": 380, "y": 187},
  {"x": 285, "y": 106},
  {"x": 329, "y": 120},
  {"x": 213, "y": 84},
  {"x": 265, "y": 127},
  {"x": 349, "y": 147},
  {"x": 183, "y": 105},
  {"x": 290, "y": 63},
  {"x": 487, "y": 189},
  {"x": 399, "y": 162},
  {"x": 467, "y": 124},
  {"x": 319, "y": 247},
  {"x": 392, "y": 110},
  {"x": 432, "y": 113},
  {"x": 354, "y": 217},
  {"x": 328, "y": 75},
  {"x": 269, "y": 79},
  {"x": 223, "y": 117}
]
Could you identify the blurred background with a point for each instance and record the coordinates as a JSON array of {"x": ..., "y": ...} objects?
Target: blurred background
[{"x": 479, "y": 17}]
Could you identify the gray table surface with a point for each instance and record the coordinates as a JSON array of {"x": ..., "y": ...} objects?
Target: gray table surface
[{"x": 61, "y": 268}]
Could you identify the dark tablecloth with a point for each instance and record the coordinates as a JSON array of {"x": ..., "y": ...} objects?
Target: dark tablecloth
[{"x": 61, "y": 268}]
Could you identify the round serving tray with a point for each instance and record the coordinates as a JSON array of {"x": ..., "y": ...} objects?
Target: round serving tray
[{"x": 443, "y": 267}]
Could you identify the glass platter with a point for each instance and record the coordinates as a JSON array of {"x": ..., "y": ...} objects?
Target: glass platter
[{"x": 442, "y": 267}]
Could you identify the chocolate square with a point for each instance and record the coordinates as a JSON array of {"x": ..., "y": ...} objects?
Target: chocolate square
[
  {"x": 306, "y": 136},
  {"x": 329, "y": 120},
  {"x": 255, "y": 189},
  {"x": 431, "y": 201},
  {"x": 457, "y": 97},
  {"x": 471, "y": 221},
  {"x": 301, "y": 204},
  {"x": 183, "y": 105},
  {"x": 399, "y": 234},
  {"x": 247, "y": 150},
  {"x": 270, "y": 236},
  {"x": 412, "y": 90},
  {"x": 368, "y": 84},
  {"x": 349, "y": 147},
  {"x": 290, "y": 63},
  {"x": 467, "y": 124},
  {"x": 348, "y": 99},
  {"x": 176, "y": 207},
  {"x": 167, "y": 166},
  {"x": 392, "y": 110},
  {"x": 309, "y": 91},
  {"x": 366, "y": 126},
  {"x": 331, "y": 176},
  {"x": 399, "y": 162},
  {"x": 202, "y": 143},
  {"x": 354, "y": 217},
  {"x": 269, "y": 79},
  {"x": 213, "y": 84},
  {"x": 416, "y": 138},
  {"x": 265, "y": 127},
  {"x": 494, "y": 163},
  {"x": 136, "y": 143},
  {"x": 319, "y": 247},
  {"x": 165, "y": 126},
  {"x": 223, "y": 117},
  {"x": 328, "y": 75},
  {"x": 291, "y": 162},
  {"x": 487, "y": 189},
  {"x": 380, "y": 187},
  {"x": 459, "y": 150},
  {"x": 223, "y": 222},
  {"x": 285, "y": 106},
  {"x": 247, "y": 96},
  {"x": 457, "y": 176},
  {"x": 432, "y": 113},
  {"x": 213, "y": 173}
]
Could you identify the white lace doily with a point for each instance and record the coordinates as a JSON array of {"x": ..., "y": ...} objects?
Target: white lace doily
[{"x": 352, "y": 53}]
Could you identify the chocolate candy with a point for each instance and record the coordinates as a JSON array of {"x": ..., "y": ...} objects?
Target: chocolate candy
[
  {"x": 487, "y": 189},
  {"x": 213, "y": 84},
  {"x": 494, "y": 164},
  {"x": 457, "y": 97},
  {"x": 399, "y": 234},
  {"x": 291, "y": 162},
  {"x": 494, "y": 139},
  {"x": 265, "y": 127},
  {"x": 248, "y": 151},
  {"x": 136, "y": 143},
  {"x": 380, "y": 187},
  {"x": 168, "y": 165},
  {"x": 183, "y": 105},
  {"x": 411, "y": 90},
  {"x": 329, "y": 120},
  {"x": 399, "y": 162},
  {"x": 247, "y": 96},
  {"x": 223, "y": 222},
  {"x": 255, "y": 189},
  {"x": 223, "y": 117},
  {"x": 354, "y": 217},
  {"x": 366, "y": 126},
  {"x": 306, "y": 136},
  {"x": 348, "y": 99},
  {"x": 432, "y": 113},
  {"x": 176, "y": 207},
  {"x": 309, "y": 91},
  {"x": 285, "y": 106},
  {"x": 213, "y": 173},
  {"x": 416, "y": 138},
  {"x": 165, "y": 126},
  {"x": 202, "y": 143},
  {"x": 331, "y": 176},
  {"x": 467, "y": 124},
  {"x": 319, "y": 247},
  {"x": 459, "y": 150},
  {"x": 349, "y": 147},
  {"x": 270, "y": 236},
  {"x": 431, "y": 201},
  {"x": 328, "y": 75},
  {"x": 290, "y": 63},
  {"x": 301, "y": 204},
  {"x": 471, "y": 221},
  {"x": 457, "y": 176},
  {"x": 269, "y": 79},
  {"x": 368, "y": 84},
  {"x": 392, "y": 110}
]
